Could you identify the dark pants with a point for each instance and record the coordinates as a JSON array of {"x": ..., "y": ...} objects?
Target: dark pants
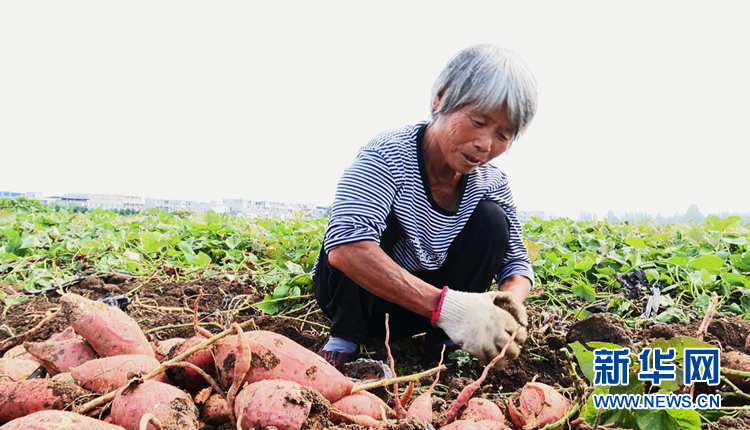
[{"x": 474, "y": 258}]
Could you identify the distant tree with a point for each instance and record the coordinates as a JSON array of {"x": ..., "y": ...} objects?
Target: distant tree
[
  {"x": 24, "y": 204},
  {"x": 694, "y": 214},
  {"x": 611, "y": 217}
]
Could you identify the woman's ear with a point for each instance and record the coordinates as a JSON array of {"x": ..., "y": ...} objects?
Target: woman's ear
[{"x": 436, "y": 103}]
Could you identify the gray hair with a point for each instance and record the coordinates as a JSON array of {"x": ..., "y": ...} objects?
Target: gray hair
[{"x": 488, "y": 77}]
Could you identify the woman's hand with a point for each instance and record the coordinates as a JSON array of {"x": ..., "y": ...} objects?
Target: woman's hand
[{"x": 480, "y": 324}]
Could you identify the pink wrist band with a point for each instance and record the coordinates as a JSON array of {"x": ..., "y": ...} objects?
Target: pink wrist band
[{"x": 436, "y": 311}]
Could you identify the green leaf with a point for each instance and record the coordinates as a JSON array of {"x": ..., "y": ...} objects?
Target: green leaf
[
  {"x": 734, "y": 279},
  {"x": 584, "y": 291},
  {"x": 187, "y": 251},
  {"x": 202, "y": 259},
  {"x": 635, "y": 242},
  {"x": 711, "y": 263},
  {"x": 232, "y": 242},
  {"x": 269, "y": 308},
  {"x": 742, "y": 262},
  {"x": 14, "y": 300},
  {"x": 151, "y": 241},
  {"x": 679, "y": 261},
  {"x": 585, "y": 360},
  {"x": 736, "y": 240},
  {"x": 585, "y": 265},
  {"x": 668, "y": 419},
  {"x": 672, "y": 314},
  {"x": 294, "y": 267},
  {"x": 30, "y": 242}
]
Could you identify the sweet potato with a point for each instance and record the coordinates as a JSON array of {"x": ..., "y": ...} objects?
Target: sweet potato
[
  {"x": 57, "y": 420},
  {"x": 61, "y": 356},
  {"x": 478, "y": 409},
  {"x": 215, "y": 411},
  {"x": 475, "y": 425},
  {"x": 108, "y": 329},
  {"x": 285, "y": 405},
  {"x": 737, "y": 361},
  {"x": 110, "y": 373},
  {"x": 172, "y": 406},
  {"x": 185, "y": 377},
  {"x": 16, "y": 369},
  {"x": 468, "y": 390},
  {"x": 277, "y": 357},
  {"x": 18, "y": 351},
  {"x": 536, "y": 406},
  {"x": 364, "y": 403},
  {"x": 162, "y": 348},
  {"x": 18, "y": 399},
  {"x": 66, "y": 334}
]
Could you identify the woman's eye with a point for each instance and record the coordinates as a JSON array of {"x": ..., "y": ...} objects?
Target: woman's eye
[{"x": 477, "y": 123}]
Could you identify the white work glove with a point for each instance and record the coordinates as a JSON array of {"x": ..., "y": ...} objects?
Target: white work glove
[{"x": 482, "y": 323}]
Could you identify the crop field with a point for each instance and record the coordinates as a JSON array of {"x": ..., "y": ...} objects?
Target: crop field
[{"x": 598, "y": 285}]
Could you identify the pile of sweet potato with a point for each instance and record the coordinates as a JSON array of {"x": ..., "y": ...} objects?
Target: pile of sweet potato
[{"x": 103, "y": 366}]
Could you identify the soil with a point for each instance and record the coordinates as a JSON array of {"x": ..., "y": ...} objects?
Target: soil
[{"x": 165, "y": 310}]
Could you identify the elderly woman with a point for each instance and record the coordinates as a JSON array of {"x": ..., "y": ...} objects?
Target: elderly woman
[{"x": 421, "y": 223}]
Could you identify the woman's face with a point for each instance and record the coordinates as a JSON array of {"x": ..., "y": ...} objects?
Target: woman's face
[{"x": 469, "y": 138}]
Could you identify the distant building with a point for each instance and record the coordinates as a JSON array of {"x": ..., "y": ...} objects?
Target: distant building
[
  {"x": 120, "y": 201},
  {"x": 13, "y": 195},
  {"x": 237, "y": 206},
  {"x": 100, "y": 201},
  {"x": 524, "y": 216},
  {"x": 170, "y": 205},
  {"x": 284, "y": 210}
]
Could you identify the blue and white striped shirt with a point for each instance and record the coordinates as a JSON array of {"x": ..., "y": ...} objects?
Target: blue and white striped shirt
[{"x": 385, "y": 177}]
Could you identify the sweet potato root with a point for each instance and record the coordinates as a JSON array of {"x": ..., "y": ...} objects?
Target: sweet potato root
[
  {"x": 277, "y": 357},
  {"x": 285, "y": 405},
  {"x": 364, "y": 403},
  {"x": 16, "y": 369},
  {"x": 61, "y": 356},
  {"x": 536, "y": 406},
  {"x": 172, "y": 406},
  {"x": 737, "y": 361},
  {"x": 108, "y": 329},
  {"x": 57, "y": 420},
  {"x": 18, "y": 399},
  {"x": 110, "y": 373},
  {"x": 479, "y": 409}
]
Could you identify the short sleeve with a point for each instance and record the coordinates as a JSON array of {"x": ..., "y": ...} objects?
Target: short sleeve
[
  {"x": 364, "y": 197},
  {"x": 516, "y": 260}
]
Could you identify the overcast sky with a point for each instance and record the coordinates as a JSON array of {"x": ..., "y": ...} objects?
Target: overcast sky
[{"x": 643, "y": 106}]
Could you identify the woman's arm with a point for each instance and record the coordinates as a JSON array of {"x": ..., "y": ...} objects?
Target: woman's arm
[
  {"x": 518, "y": 285},
  {"x": 372, "y": 269}
]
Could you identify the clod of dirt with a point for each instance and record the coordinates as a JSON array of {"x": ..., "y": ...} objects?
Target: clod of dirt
[
  {"x": 600, "y": 328},
  {"x": 729, "y": 330},
  {"x": 660, "y": 331}
]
